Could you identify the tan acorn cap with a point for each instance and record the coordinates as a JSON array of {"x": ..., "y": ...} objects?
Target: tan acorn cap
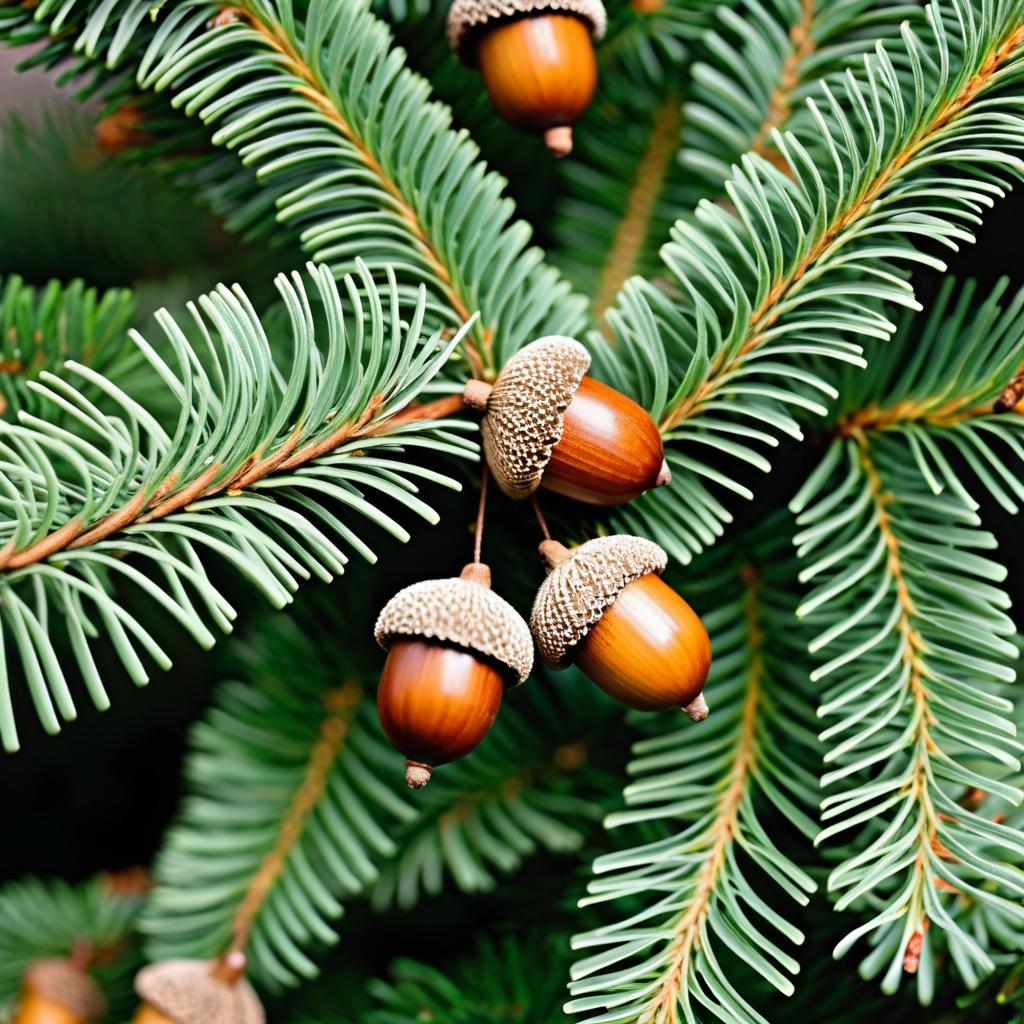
[
  {"x": 460, "y": 610},
  {"x": 200, "y": 992},
  {"x": 525, "y": 410},
  {"x": 582, "y": 584},
  {"x": 466, "y": 16},
  {"x": 65, "y": 983}
]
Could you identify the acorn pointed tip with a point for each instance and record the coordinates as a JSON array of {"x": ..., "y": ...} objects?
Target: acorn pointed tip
[
  {"x": 559, "y": 140},
  {"x": 664, "y": 475},
  {"x": 697, "y": 709},
  {"x": 416, "y": 775}
]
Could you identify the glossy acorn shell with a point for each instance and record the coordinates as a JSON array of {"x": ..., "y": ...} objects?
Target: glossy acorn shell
[
  {"x": 540, "y": 72},
  {"x": 436, "y": 702},
  {"x": 649, "y": 649},
  {"x": 34, "y": 1008},
  {"x": 610, "y": 450},
  {"x": 147, "y": 1014}
]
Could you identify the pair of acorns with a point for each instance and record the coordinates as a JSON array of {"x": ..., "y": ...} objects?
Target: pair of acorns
[
  {"x": 61, "y": 991},
  {"x": 453, "y": 644}
]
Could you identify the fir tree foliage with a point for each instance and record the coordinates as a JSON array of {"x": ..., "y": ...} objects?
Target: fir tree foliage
[
  {"x": 297, "y": 806},
  {"x": 696, "y": 898},
  {"x": 915, "y": 646},
  {"x": 262, "y": 457},
  {"x": 837, "y": 148},
  {"x": 798, "y": 274},
  {"x": 94, "y": 921},
  {"x": 40, "y": 328}
]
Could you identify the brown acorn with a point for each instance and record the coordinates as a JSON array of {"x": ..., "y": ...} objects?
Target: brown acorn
[
  {"x": 548, "y": 425},
  {"x": 605, "y": 608},
  {"x": 58, "y": 992},
  {"x": 453, "y": 646},
  {"x": 197, "y": 992},
  {"x": 536, "y": 58}
]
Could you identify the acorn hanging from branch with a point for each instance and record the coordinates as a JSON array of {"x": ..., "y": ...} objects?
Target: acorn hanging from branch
[
  {"x": 453, "y": 646},
  {"x": 536, "y": 58},
  {"x": 604, "y": 608},
  {"x": 197, "y": 992},
  {"x": 547, "y": 424},
  {"x": 58, "y": 991}
]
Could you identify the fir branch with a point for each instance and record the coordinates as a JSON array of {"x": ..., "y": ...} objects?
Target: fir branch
[
  {"x": 915, "y": 636},
  {"x": 940, "y": 384},
  {"x": 665, "y": 961},
  {"x": 534, "y": 784},
  {"x": 403, "y": 191},
  {"x": 41, "y": 328},
  {"x": 625, "y": 256},
  {"x": 766, "y": 294},
  {"x": 260, "y": 456},
  {"x": 285, "y": 819},
  {"x": 292, "y": 776},
  {"x": 93, "y": 922}
]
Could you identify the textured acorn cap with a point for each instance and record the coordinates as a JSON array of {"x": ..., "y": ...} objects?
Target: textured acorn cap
[
  {"x": 192, "y": 992},
  {"x": 466, "y": 17},
  {"x": 66, "y": 984},
  {"x": 460, "y": 611},
  {"x": 582, "y": 585},
  {"x": 525, "y": 411}
]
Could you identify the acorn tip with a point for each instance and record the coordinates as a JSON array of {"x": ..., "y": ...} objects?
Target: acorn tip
[
  {"x": 416, "y": 775},
  {"x": 664, "y": 475},
  {"x": 697, "y": 709},
  {"x": 559, "y": 140}
]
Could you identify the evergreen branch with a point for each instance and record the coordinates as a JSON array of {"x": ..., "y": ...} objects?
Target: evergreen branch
[
  {"x": 695, "y": 884},
  {"x": 532, "y": 785},
  {"x": 404, "y": 191},
  {"x": 786, "y": 48},
  {"x": 297, "y": 806},
  {"x": 285, "y": 819},
  {"x": 625, "y": 257},
  {"x": 939, "y": 384},
  {"x": 93, "y": 922},
  {"x": 807, "y": 260},
  {"x": 251, "y": 472},
  {"x": 915, "y": 634},
  {"x": 514, "y": 981},
  {"x": 40, "y": 329}
]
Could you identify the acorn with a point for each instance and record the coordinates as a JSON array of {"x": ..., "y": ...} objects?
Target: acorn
[
  {"x": 197, "y": 992},
  {"x": 605, "y": 608},
  {"x": 453, "y": 646},
  {"x": 58, "y": 992},
  {"x": 547, "y": 424},
  {"x": 536, "y": 58}
]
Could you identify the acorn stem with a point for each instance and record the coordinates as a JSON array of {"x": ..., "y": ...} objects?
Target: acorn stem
[
  {"x": 697, "y": 709},
  {"x": 559, "y": 140},
  {"x": 541, "y": 521},
  {"x": 417, "y": 775},
  {"x": 230, "y": 967},
  {"x": 478, "y": 532},
  {"x": 476, "y": 393},
  {"x": 553, "y": 552},
  {"x": 477, "y": 572}
]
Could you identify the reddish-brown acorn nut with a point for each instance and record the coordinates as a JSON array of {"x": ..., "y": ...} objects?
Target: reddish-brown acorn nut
[
  {"x": 536, "y": 58},
  {"x": 605, "y": 608},
  {"x": 197, "y": 992},
  {"x": 548, "y": 425},
  {"x": 453, "y": 646},
  {"x": 58, "y": 992}
]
